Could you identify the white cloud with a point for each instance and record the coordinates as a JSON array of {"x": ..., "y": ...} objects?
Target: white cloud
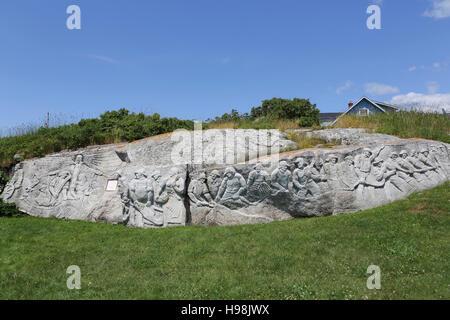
[
  {"x": 103, "y": 58},
  {"x": 433, "y": 87},
  {"x": 348, "y": 84},
  {"x": 424, "y": 102},
  {"x": 379, "y": 89},
  {"x": 440, "y": 9},
  {"x": 413, "y": 68}
]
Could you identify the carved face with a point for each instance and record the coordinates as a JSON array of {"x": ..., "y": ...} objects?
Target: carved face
[
  {"x": 394, "y": 156},
  {"x": 426, "y": 153},
  {"x": 79, "y": 159},
  {"x": 215, "y": 175},
  {"x": 378, "y": 164},
  {"x": 300, "y": 163},
  {"x": 283, "y": 166},
  {"x": 258, "y": 167},
  {"x": 334, "y": 160},
  {"x": 202, "y": 178},
  {"x": 230, "y": 174},
  {"x": 367, "y": 154},
  {"x": 349, "y": 161},
  {"x": 318, "y": 163},
  {"x": 404, "y": 155}
]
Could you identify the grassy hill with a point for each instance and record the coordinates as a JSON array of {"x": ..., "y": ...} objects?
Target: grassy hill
[
  {"x": 318, "y": 258},
  {"x": 402, "y": 124}
]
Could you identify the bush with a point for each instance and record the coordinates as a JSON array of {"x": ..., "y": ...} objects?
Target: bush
[
  {"x": 306, "y": 122},
  {"x": 278, "y": 108},
  {"x": 111, "y": 127},
  {"x": 276, "y": 113},
  {"x": 9, "y": 210}
]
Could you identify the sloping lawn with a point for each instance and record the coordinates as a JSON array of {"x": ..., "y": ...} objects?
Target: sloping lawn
[{"x": 318, "y": 258}]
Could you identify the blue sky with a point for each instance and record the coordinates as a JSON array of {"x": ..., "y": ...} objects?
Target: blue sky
[{"x": 198, "y": 59}]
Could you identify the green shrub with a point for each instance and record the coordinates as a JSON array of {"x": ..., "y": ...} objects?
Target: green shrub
[
  {"x": 306, "y": 122},
  {"x": 9, "y": 210},
  {"x": 111, "y": 127},
  {"x": 275, "y": 113},
  {"x": 278, "y": 108}
]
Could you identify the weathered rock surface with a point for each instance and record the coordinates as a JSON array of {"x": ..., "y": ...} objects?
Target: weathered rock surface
[{"x": 226, "y": 177}]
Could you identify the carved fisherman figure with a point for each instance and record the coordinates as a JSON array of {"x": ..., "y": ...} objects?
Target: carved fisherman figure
[
  {"x": 214, "y": 182},
  {"x": 15, "y": 183},
  {"x": 198, "y": 192},
  {"x": 363, "y": 163},
  {"x": 299, "y": 179},
  {"x": 141, "y": 197},
  {"x": 423, "y": 156},
  {"x": 280, "y": 178},
  {"x": 330, "y": 169},
  {"x": 59, "y": 185},
  {"x": 314, "y": 175},
  {"x": 397, "y": 180},
  {"x": 418, "y": 166},
  {"x": 174, "y": 210},
  {"x": 78, "y": 172},
  {"x": 436, "y": 161},
  {"x": 348, "y": 177},
  {"x": 232, "y": 188},
  {"x": 258, "y": 183}
]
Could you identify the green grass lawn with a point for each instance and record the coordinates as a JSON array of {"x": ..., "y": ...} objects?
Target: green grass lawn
[{"x": 318, "y": 258}]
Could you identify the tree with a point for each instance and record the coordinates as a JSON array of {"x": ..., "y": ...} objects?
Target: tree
[{"x": 278, "y": 108}]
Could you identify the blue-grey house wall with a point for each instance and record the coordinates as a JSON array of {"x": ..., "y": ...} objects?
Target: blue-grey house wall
[{"x": 364, "y": 104}]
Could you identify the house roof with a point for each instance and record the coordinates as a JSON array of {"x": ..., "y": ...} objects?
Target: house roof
[{"x": 377, "y": 104}]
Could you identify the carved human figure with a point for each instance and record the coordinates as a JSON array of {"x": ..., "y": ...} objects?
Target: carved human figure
[
  {"x": 401, "y": 179},
  {"x": 198, "y": 192},
  {"x": 141, "y": 195},
  {"x": 299, "y": 178},
  {"x": 314, "y": 176},
  {"x": 348, "y": 176},
  {"x": 330, "y": 169},
  {"x": 174, "y": 210},
  {"x": 419, "y": 167},
  {"x": 258, "y": 183},
  {"x": 160, "y": 195},
  {"x": 80, "y": 168},
  {"x": 425, "y": 157},
  {"x": 408, "y": 169},
  {"x": 214, "y": 181},
  {"x": 363, "y": 162},
  {"x": 280, "y": 178},
  {"x": 232, "y": 188},
  {"x": 124, "y": 193},
  {"x": 59, "y": 184},
  {"x": 15, "y": 183},
  {"x": 436, "y": 158}
]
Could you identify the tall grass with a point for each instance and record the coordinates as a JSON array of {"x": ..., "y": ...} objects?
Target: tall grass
[
  {"x": 111, "y": 127},
  {"x": 262, "y": 123},
  {"x": 402, "y": 124}
]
